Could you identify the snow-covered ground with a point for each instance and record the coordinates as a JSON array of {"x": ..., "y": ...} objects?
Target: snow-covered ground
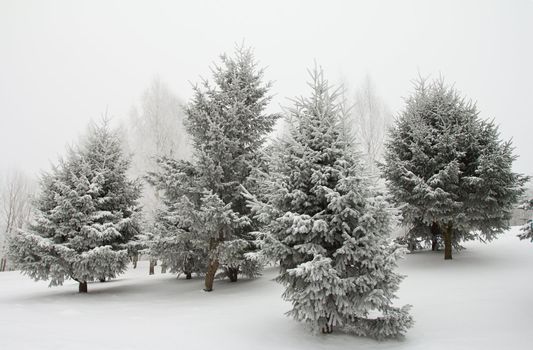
[{"x": 483, "y": 299}]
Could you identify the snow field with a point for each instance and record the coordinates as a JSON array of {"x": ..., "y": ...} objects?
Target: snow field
[{"x": 479, "y": 300}]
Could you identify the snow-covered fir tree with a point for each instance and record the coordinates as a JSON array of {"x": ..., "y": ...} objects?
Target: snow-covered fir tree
[
  {"x": 448, "y": 170},
  {"x": 327, "y": 227},
  {"x": 227, "y": 123},
  {"x": 179, "y": 247},
  {"x": 86, "y": 216}
]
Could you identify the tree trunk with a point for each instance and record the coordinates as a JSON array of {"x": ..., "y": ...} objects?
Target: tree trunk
[
  {"x": 434, "y": 244},
  {"x": 327, "y": 329},
  {"x": 152, "y": 267},
  {"x": 233, "y": 274},
  {"x": 448, "y": 234},
  {"x": 135, "y": 259},
  {"x": 102, "y": 279},
  {"x": 435, "y": 232},
  {"x": 3, "y": 264},
  {"x": 163, "y": 268},
  {"x": 210, "y": 275},
  {"x": 212, "y": 267},
  {"x": 188, "y": 275},
  {"x": 82, "y": 287}
]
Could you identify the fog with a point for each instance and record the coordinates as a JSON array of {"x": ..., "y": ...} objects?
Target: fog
[{"x": 65, "y": 62}]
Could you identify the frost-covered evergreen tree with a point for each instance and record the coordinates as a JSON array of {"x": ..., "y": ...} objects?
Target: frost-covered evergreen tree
[
  {"x": 227, "y": 123},
  {"x": 176, "y": 243},
  {"x": 85, "y": 216},
  {"x": 448, "y": 169},
  {"x": 327, "y": 226}
]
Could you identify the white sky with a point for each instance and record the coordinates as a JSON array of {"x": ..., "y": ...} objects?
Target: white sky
[{"x": 64, "y": 62}]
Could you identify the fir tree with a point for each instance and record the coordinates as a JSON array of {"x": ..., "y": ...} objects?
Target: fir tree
[
  {"x": 228, "y": 126},
  {"x": 176, "y": 243},
  {"x": 448, "y": 169},
  {"x": 327, "y": 227},
  {"x": 86, "y": 216}
]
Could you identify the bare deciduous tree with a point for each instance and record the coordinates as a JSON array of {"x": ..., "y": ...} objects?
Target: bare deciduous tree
[
  {"x": 155, "y": 130},
  {"x": 16, "y": 191},
  {"x": 157, "y": 125},
  {"x": 371, "y": 121}
]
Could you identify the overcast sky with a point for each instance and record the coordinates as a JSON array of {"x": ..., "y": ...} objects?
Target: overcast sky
[{"x": 64, "y": 62}]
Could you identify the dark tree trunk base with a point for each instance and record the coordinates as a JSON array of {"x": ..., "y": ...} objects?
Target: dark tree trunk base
[
  {"x": 102, "y": 280},
  {"x": 327, "y": 329},
  {"x": 152, "y": 268},
  {"x": 82, "y": 287},
  {"x": 135, "y": 259},
  {"x": 233, "y": 274},
  {"x": 435, "y": 232},
  {"x": 448, "y": 233},
  {"x": 210, "y": 275},
  {"x": 188, "y": 275}
]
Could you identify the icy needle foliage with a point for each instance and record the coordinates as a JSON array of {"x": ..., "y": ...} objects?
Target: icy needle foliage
[
  {"x": 447, "y": 167},
  {"x": 86, "y": 216},
  {"x": 179, "y": 247},
  {"x": 327, "y": 227},
  {"x": 228, "y": 126}
]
